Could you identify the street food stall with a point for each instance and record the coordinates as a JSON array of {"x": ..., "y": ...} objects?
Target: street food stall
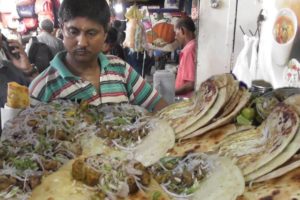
[{"x": 236, "y": 138}]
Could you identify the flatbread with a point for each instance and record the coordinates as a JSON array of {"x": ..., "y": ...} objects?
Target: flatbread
[
  {"x": 226, "y": 86},
  {"x": 253, "y": 149},
  {"x": 287, "y": 153},
  {"x": 199, "y": 176},
  {"x": 61, "y": 186},
  {"x": 42, "y": 138},
  {"x": 211, "y": 113},
  {"x": 206, "y": 142},
  {"x": 185, "y": 114},
  {"x": 287, "y": 167},
  {"x": 282, "y": 188},
  {"x": 232, "y": 102},
  {"x": 226, "y": 183},
  {"x": 160, "y": 139},
  {"x": 222, "y": 121}
]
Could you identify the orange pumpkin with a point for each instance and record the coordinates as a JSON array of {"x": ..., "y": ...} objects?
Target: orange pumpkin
[{"x": 164, "y": 31}]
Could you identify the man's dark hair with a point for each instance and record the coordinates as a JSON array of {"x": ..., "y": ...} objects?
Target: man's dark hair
[
  {"x": 96, "y": 10},
  {"x": 47, "y": 25},
  {"x": 187, "y": 23},
  {"x": 112, "y": 36}
]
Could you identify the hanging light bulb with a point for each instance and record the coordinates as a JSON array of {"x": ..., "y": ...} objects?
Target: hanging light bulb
[{"x": 118, "y": 7}]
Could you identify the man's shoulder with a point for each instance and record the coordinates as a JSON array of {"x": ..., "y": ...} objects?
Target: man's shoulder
[
  {"x": 115, "y": 62},
  {"x": 49, "y": 73}
]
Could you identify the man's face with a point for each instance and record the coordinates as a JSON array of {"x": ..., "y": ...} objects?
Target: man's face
[
  {"x": 83, "y": 39},
  {"x": 179, "y": 35}
]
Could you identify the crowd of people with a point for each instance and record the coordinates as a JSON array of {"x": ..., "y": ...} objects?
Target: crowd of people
[{"x": 89, "y": 63}]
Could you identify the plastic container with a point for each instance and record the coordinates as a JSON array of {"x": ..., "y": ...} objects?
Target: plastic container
[
  {"x": 259, "y": 87},
  {"x": 164, "y": 82}
]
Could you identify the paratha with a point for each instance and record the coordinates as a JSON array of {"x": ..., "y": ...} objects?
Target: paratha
[
  {"x": 42, "y": 138},
  {"x": 32, "y": 145},
  {"x": 226, "y": 88},
  {"x": 224, "y": 120},
  {"x": 290, "y": 165},
  {"x": 207, "y": 142},
  {"x": 285, "y": 155},
  {"x": 282, "y": 188},
  {"x": 205, "y": 119},
  {"x": 110, "y": 175},
  {"x": 254, "y": 148},
  {"x": 61, "y": 186},
  {"x": 183, "y": 114},
  {"x": 197, "y": 175}
]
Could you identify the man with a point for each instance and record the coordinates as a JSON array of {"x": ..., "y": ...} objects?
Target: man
[
  {"x": 83, "y": 72},
  {"x": 111, "y": 45},
  {"x": 45, "y": 36},
  {"x": 185, "y": 35}
]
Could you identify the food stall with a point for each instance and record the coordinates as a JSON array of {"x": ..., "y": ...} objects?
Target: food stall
[{"x": 228, "y": 141}]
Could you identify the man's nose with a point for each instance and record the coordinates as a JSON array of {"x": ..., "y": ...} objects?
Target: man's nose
[{"x": 82, "y": 40}]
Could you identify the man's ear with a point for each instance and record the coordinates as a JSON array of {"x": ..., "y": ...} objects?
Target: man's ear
[
  {"x": 105, "y": 36},
  {"x": 182, "y": 30}
]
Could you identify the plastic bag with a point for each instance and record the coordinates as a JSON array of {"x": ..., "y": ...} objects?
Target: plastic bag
[{"x": 245, "y": 68}]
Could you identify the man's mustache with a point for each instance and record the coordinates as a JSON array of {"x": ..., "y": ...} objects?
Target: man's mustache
[{"x": 81, "y": 50}]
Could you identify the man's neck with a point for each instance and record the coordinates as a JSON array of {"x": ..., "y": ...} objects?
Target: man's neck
[{"x": 82, "y": 69}]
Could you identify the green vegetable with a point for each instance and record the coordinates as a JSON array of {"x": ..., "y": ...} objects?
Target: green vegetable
[
  {"x": 24, "y": 164},
  {"x": 156, "y": 195},
  {"x": 120, "y": 121},
  {"x": 241, "y": 120},
  {"x": 43, "y": 145},
  {"x": 248, "y": 113},
  {"x": 192, "y": 189}
]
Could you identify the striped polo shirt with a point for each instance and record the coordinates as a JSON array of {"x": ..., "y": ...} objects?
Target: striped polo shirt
[{"x": 119, "y": 82}]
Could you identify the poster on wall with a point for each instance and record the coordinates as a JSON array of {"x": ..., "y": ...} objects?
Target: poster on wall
[
  {"x": 288, "y": 35},
  {"x": 280, "y": 43}
]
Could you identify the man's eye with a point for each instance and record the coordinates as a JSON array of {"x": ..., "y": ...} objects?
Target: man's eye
[
  {"x": 92, "y": 33},
  {"x": 73, "y": 32}
]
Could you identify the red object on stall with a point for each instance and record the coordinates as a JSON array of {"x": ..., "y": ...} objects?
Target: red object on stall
[
  {"x": 30, "y": 23},
  {"x": 43, "y": 6},
  {"x": 24, "y": 2},
  {"x": 47, "y": 9},
  {"x": 164, "y": 31}
]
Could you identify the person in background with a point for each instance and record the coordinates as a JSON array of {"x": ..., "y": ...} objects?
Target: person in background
[
  {"x": 13, "y": 69},
  {"x": 111, "y": 45},
  {"x": 58, "y": 34},
  {"x": 185, "y": 78},
  {"x": 45, "y": 36},
  {"x": 82, "y": 72}
]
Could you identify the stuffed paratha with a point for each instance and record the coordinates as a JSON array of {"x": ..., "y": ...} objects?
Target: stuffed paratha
[
  {"x": 182, "y": 116},
  {"x": 224, "y": 120},
  {"x": 42, "y": 138},
  {"x": 290, "y": 165},
  {"x": 206, "y": 142},
  {"x": 32, "y": 145},
  {"x": 282, "y": 188},
  {"x": 61, "y": 186},
  {"x": 194, "y": 175},
  {"x": 254, "y": 148},
  {"x": 285, "y": 155}
]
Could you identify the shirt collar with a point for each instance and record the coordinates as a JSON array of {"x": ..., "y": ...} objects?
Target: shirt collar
[
  {"x": 58, "y": 64},
  {"x": 190, "y": 43}
]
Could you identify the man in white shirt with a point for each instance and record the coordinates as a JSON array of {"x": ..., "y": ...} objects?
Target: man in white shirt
[{"x": 45, "y": 36}]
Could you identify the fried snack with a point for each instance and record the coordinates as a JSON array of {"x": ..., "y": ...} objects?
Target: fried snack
[{"x": 17, "y": 95}]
